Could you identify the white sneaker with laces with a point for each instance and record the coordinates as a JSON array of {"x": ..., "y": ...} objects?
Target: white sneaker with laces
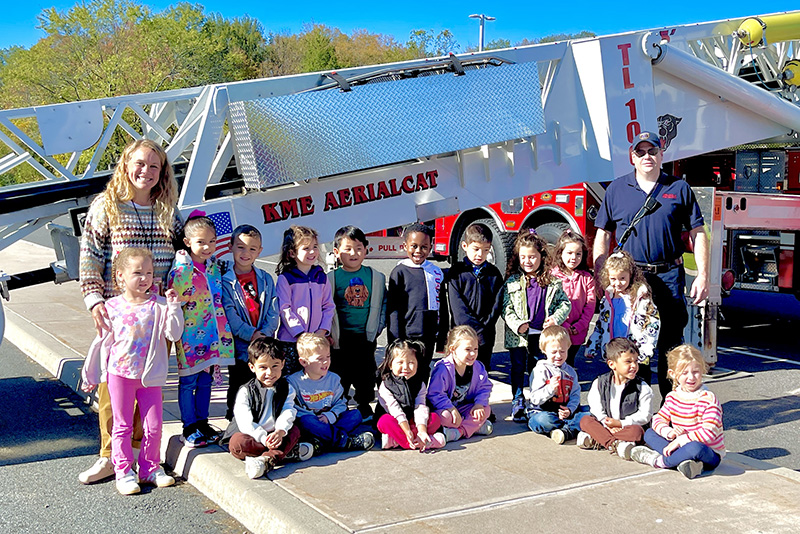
[
  {"x": 624, "y": 449},
  {"x": 255, "y": 466},
  {"x": 558, "y": 436},
  {"x": 585, "y": 441},
  {"x": 102, "y": 469},
  {"x": 159, "y": 478},
  {"x": 127, "y": 484}
]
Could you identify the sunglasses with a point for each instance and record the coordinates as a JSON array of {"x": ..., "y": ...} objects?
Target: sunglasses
[{"x": 640, "y": 153}]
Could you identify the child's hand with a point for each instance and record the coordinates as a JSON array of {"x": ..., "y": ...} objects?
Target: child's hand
[
  {"x": 478, "y": 411},
  {"x": 323, "y": 419},
  {"x": 563, "y": 413},
  {"x": 671, "y": 447},
  {"x": 256, "y": 335},
  {"x": 611, "y": 423},
  {"x": 86, "y": 387},
  {"x": 523, "y": 328},
  {"x": 274, "y": 439},
  {"x": 456, "y": 415},
  {"x": 172, "y": 296},
  {"x": 548, "y": 322},
  {"x": 555, "y": 380},
  {"x": 671, "y": 434},
  {"x": 424, "y": 440},
  {"x": 614, "y": 430}
]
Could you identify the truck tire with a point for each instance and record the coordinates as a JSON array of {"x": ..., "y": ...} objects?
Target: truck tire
[
  {"x": 551, "y": 231},
  {"x": 502, "y": 245}
]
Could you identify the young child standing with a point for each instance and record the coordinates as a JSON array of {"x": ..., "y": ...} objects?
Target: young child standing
[
  {"x": 626, "y": 310},
  {"x": 413, "y": 298},
  {"x": 262, "y": 432},
  {"x": 359, "y": 293},
  {"x": 251, "y": 305},
  {"x": 134, "y": 358},
  {"x": 401, "y": 401},
  {"x": 687, "y": 430},
  {"x": 619, "y": 402},
  {"x": 475, "y": 290},
  {"x": 460, "y": 387},
  {"x": 207, "y": 342},
  {"x": 577, "y": 282},
  {"x": 532, "y": 301},
  {"x": 555, "y": 390},
  {"x": 305, "y": 302},
  {"x": 322, "y": 412}
]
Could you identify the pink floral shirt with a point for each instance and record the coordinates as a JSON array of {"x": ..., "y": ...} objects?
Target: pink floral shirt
[{"x": 132, "y": 327}]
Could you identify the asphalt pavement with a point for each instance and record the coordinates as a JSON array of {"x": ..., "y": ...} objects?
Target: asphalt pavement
[{"x": 47, "y": 436}]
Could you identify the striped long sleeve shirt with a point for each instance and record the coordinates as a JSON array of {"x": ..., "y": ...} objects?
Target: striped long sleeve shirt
[
  {"x": 100, "y": 244},
  {"x": 699, "y": 414}
]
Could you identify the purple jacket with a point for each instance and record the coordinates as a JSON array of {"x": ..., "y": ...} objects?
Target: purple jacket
[
  {"x": 305, "y": 302},
  {"x": 443, "y": 383}
]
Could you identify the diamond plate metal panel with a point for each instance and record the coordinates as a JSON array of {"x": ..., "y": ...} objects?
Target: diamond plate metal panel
[{"x": 298, "y": 137}]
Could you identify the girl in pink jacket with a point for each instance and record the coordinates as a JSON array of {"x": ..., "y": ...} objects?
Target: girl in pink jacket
[
  {"x": 132, "y": 356},
  {"x": 578, "y": 283}
]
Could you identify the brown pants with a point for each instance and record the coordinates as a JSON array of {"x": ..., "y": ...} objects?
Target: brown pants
[
  {"x": 243, "y": 445},
  {"x": 106, "y": 419},
  {"x": 604, "y": 437}
]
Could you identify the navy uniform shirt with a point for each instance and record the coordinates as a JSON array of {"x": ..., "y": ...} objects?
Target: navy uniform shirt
[{"x": 657, "y": 237}]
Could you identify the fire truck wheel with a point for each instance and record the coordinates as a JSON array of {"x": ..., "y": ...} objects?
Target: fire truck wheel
[
  {"x": 502, "y": 244},
  {"x": 551, "y": 231}
]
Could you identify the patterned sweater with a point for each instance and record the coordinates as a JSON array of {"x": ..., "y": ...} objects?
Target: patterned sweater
[
  {"x": 101, "y": 243},
  {"x": 699, "y": 414}
]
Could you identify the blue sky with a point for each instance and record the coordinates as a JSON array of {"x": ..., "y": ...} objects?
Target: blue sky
[{"x": 515, "y": 20}]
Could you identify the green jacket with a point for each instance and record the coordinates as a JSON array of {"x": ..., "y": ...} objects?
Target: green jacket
[{"x": 515, "y": 308}]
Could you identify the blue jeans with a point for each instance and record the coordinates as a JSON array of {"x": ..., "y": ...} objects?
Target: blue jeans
[
  {"x": 545, "y": 422},
  {"x": 331, "y": 435},
  {"x": 194, "y": 398},
  {"x": 694, "y": 450}
]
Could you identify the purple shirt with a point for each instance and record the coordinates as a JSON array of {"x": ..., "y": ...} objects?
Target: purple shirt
[{"x": 536, "y": 310}]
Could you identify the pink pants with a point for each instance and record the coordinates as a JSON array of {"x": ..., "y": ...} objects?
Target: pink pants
[
  {"x": 124, "y": 392},
  {"x": 387, "y": 424},
  {"x": 469, "y": 424}
]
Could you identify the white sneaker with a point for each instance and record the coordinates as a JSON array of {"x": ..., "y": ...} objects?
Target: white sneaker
[
  {"x": 486, "y": 429},
  {"x": 558, "y": 436},
  {"x": 300, "y": 453},
  {"x": 256, "y": 466},
  {"x": 387, "y": 442},
  {"x": 102, "y": 469},
  {"x": 159, "y": 478},
  {"x": 624, "y": 449},
  {"x": 127, "y": 484},
  {"x": 645, "y": 455},
  {"x": 585, "y": 441}
]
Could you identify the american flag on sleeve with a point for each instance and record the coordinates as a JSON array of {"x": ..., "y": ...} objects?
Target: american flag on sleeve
[{"x": 224, "y": 225}]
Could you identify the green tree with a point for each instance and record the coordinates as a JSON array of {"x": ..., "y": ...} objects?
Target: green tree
[{"x": 424, "y": 43}]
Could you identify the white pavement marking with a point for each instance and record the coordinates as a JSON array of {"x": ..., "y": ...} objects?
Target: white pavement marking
[{"x": 755, "y": 355}]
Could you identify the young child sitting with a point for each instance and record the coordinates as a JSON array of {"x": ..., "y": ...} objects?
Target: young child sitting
[
  {"x": 250, "y": 302},
  {"x": 262, "y": 432},
  {"x": 401, "y": 401},
  {"x": 359, "y": 293},
  {"x": 687, "y": 430},
  {"x": 413, "y": 297},
  {"x": 475, "y": 290},
  {"x": 460, "y": 387},
  {"x": 619, "y": 402},
  {"x": 555, "y": 390},
  {"x": 321, "y": 407}
]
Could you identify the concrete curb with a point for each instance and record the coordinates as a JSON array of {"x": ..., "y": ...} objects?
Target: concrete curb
[{"x": 260, "y": 505}]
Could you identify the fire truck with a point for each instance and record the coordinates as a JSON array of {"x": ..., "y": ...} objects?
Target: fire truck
[{"x": 382, "y": 146}]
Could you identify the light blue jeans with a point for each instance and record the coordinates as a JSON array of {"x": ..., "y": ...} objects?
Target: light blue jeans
[{"x": 545, "y": 422}]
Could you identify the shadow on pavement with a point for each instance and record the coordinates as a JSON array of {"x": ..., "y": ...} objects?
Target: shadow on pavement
[{"x": 760, "y": 413}]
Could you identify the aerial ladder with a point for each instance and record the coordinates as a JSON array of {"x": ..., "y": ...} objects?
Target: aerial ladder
[{"x": 381, "y": 146}]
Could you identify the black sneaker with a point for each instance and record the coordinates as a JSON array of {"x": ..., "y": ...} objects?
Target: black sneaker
[{"x": 360, "y": 442}]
